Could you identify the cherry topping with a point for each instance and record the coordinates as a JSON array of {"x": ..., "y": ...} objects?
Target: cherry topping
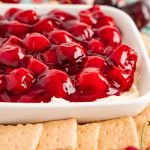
[
  {"x": 19, "y": 80},
  {"x": 94, "y": 12},
  {"x": 36, "y": 42},
  {"x": 43, "y": 26},
  {"x": 57, "y": 54},
  {"x": 3, "y": 40},
  {"x": 49, "y": 57},
  {"x": 91, "y": 15},
  {"x": 11, "y": 55},
  {"x": 60, "y": 36},
  {"x": 13, "y": 28},
  {"x": 90, "y": 84},
  {"x": 95, "y": 47},
  {"x": 80, "y": 30},
  {"x": 56, "y": 83},
  {"x": 110, "y": 37},
  {"x": 61, "y": 15},
  {"x": 95, "y": 61},
  {"x": 124, "y": 57},
  {"x": 13, "y": 40},
  {"x": 11, "y": 1},
  {"x": 2, "y": 83},
  {"x": 123, "y": 78},
  {"x": 26, "y": 16},
  {"x": 36, "y": 66},
  {"x": 70, "y": 54},
  {"x": 103, "y": 21},
  {"x": 11, "y": 12},
  {"x": 2, "y": 17}
]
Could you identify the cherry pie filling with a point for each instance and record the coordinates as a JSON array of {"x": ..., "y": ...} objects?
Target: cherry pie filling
[{"x": 77, "y": 58}]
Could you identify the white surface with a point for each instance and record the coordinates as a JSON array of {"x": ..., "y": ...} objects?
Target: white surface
[{"x": 93, "y": 111}]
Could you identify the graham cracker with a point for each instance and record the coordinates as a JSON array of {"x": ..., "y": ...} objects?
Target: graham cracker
[
  {"x": 118, "y": 134},
  {"x": 59, "y": 135},
  {"x": 87, "y": 136},
  {"x": 20, "y": 137},
  {"x": 140, "y": 120}
]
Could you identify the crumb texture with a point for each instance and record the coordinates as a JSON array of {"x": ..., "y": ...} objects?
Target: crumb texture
[
  {"x": 20, "y": 137},
  {"x": 118, "y": 134}
]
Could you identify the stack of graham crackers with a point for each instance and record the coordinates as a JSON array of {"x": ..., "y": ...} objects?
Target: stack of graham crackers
[{"x": 114, "y": 134}]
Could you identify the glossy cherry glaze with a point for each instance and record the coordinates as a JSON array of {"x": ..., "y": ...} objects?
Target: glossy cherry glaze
[
  {"x": 80, "y": 30},
  {"x": 80, "y": 59},
  {"x": 11, "y": 1},
  {"x": 60, "y": 36},
  {"x": 26, "y": 16},
  {"x": 110, "y": 36},
  {"x": 32, "y": 40},
  {"x": 11, "y": 12},
  {"x": 8, "y": 28},
  {"x": 43, "y": 26}
]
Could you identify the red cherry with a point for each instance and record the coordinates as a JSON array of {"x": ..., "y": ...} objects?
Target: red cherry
[
  {"x": 60, "y": 36},
  {"x": 36, "y": 42},
  {"x": 70, "y": 54},
  {"x": 11, "y": 55},
  {"x": 56, "y": 83},
  {"x": 61, "y": 15},
  {"x": 131, "y": 148},
  {"x": 13, "y": 28},
  {"x": 88, "y": 19},
  {"x": 80, "y": 30},
  {"x": 95, "y": 47},
  {"x": 7, "y": 97},
  {"x": 2, "y": 83},
  {"x": 124, "y": 57},
  {"x": 2, "y": 18},
  {"x": 95, "y": 61},
  {"x": 19, "y": 80},
  {"x": 13, "y": 40},
  {"x": 103, "y": 21},
  {"x": 94, "y": 12},
  {"x": 43, "y": 26},
  {"x": 91, "y": 15},
  {"x": 90, "y": 84},
  {"x": 11, "y": 1},
  {"x": 57, "y": 23},
  {"x": 49, "y": 57},
  {"x": 26, "y": 16},
  {"x": 11, "y": 12},
  {"x": 2, "y": 40},
  {"x": 32, "y": 96},
  {"x": 110, "y": 37},
  {"x": 36, "y": 66},
  {"x": 123, "y": 78}
]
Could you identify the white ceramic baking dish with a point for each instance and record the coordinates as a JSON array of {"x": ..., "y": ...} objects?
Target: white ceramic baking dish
[{"x": 88, "y": 111}]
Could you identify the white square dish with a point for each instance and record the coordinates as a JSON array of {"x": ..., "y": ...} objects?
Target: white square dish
[{"x": 88, "y": 111}]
